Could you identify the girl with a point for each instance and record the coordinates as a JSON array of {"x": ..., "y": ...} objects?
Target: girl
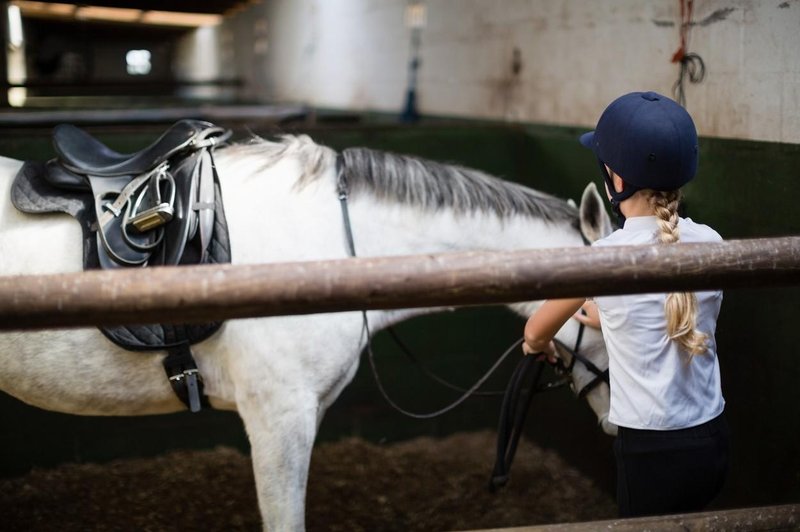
[{"x": 666, "y": 398}]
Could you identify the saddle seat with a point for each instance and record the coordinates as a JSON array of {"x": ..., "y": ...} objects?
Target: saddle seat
[
  {"x": 82, "y": 153},
  {"x": 148, "y": 204}
]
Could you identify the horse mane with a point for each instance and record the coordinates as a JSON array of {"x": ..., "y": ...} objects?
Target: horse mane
[{"x": 426, "y": 184}]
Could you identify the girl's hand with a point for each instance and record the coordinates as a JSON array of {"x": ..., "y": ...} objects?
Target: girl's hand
[
  {"x": 592, "y": 316},
  {"x": 549, "y": 352}
]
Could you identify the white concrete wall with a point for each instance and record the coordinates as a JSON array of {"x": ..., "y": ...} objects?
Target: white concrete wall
[
  {"x": 576, "y": 56},
  {"x": 205, "y": 54}
]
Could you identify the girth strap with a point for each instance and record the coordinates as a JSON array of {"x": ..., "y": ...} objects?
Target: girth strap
[{"x": 184, "y": 377}]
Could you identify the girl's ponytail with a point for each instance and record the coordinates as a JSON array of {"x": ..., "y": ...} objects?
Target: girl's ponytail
[{"x": 680, "y": 307}]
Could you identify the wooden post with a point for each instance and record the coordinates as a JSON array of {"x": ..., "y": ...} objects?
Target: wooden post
[{"x": 203, "y": 293}]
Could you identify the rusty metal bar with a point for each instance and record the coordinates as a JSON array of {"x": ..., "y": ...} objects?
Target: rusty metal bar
[{"x": 202, "y": 293}]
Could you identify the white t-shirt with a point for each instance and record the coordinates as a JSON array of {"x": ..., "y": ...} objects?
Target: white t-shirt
[{"x": 654, "y": 384}]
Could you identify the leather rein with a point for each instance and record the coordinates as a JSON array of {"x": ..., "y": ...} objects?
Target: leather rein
[
  {"x": 517, "y": 400},
  {"x": 343, "y": 193},
  {"x": 516, "y": 384}
]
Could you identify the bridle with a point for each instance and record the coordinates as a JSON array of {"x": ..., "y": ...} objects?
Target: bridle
[
  {"x": 515, "y": 385},
  {"x": 565, "y": 370},
  {"x": 342, "y": 190},
  {"x": 522, "y": 386}
]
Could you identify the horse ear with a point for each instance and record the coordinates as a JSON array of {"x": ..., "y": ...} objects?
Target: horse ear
[{"x": 595, "y": 222}]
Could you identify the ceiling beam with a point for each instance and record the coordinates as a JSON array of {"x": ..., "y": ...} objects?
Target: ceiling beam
[{"x": 219, "y": 7}]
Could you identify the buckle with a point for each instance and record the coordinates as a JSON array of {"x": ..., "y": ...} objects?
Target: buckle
[{"x": 192, "y": 384}]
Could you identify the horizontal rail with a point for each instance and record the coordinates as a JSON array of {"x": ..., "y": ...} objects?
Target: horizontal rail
[
  {"x": 203, "y": 293},
  {"x": 764, "y": 518},
  {"x": 212, "y": 113}
]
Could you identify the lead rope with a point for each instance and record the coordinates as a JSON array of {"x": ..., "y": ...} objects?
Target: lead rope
[{"x": 342, "y": 190}]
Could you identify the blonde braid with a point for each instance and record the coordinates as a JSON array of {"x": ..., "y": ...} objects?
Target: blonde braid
[{"x": 680, "y": 307}]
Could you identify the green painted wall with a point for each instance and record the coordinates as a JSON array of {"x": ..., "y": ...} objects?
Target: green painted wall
[{"x": 744, "y": 189}]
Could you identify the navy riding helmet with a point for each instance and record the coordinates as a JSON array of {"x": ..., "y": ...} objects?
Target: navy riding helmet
[{"x": 648, "y": 140}]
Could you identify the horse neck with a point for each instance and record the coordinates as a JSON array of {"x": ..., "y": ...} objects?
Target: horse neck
[
  {"x": 271, "y": 219},
  {"x": 381, "y": 229}
]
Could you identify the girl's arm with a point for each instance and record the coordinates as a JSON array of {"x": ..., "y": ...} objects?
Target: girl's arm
[{"x": 543, "y": 325}]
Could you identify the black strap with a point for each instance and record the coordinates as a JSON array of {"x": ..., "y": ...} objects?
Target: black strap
[
  {"x": 432, "y": 375},
  {"x": 616, "y": 197},
  {"x": 600, "y": 375},
  {"x": 342, "y": 190},
  {"x": 184, "y": 377},
  {"x": 466, "y": 395},
  {"x": 517, "y": 401}
]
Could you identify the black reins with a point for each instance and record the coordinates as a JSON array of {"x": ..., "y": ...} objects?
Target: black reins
[
  {"x": 523, "y": 385},
  {"x": 342, "y": 190}
]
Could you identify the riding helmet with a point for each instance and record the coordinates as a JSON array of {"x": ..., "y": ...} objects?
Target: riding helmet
[{"x": 647, "y": 139}]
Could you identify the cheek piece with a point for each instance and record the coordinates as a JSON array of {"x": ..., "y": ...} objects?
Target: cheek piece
[{"x": 617, "y": 197}]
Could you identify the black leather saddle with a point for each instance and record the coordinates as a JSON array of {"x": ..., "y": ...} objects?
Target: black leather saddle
[
  {"x": 148, "y": 204},
  {"x": 159, "y": 206}
]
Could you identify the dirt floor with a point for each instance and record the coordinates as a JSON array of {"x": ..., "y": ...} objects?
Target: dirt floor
[{"x": 422, "y": 484}]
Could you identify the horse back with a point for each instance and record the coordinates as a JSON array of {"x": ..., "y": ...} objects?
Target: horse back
[{"x": 44, "y": 243}]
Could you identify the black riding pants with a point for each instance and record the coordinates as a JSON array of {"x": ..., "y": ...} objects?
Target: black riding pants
[{"x": 672, "y": 471}]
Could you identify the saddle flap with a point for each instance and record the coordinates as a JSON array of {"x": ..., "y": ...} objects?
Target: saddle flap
[
  {"x": 60, "y": 177},
  {"x": 31, "y": 193},
  {"x": 184, "y": 219},
  {"x": 116, "y": 245}
]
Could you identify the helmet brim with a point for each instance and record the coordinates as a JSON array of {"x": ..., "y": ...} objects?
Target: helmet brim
[{"x": 587, "y": 139}]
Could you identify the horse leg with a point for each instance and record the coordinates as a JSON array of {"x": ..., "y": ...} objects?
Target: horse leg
[
  {"x": 281, "y": 389},
  {"x": 281, "y": 428}
]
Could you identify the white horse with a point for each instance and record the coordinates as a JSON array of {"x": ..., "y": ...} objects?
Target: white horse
[{"x": 281, "y": 374}]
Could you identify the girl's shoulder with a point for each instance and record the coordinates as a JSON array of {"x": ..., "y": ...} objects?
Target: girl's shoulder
[
  {"x": 617, "y": 238},
  {"x": 692, "y": 231},
  {"x": 642, "y": 231}
]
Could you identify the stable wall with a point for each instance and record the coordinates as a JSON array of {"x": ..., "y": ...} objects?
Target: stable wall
[
  {"x": 741, "y": 190},
  {"x": 574, "y": 57}
]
